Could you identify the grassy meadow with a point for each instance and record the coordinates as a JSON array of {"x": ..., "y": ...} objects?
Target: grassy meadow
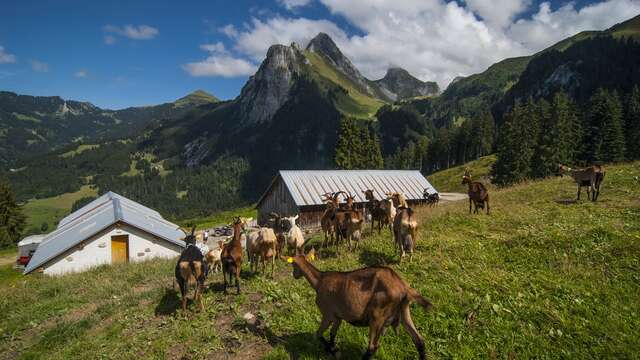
[
  {"x": 51, "y": 210},
  {"x": 541, "y": 277}
]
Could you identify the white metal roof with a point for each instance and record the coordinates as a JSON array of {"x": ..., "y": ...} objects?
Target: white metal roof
[
  {"x": 98, "y": 215},
  {"x": 32, "y": 239},
  {"x": 307, "y": 186}
]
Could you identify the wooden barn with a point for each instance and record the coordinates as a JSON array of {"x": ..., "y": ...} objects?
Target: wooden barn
[{"x": 298, "y": 192}]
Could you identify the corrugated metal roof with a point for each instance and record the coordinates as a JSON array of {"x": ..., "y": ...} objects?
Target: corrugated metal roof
[
  {"x": 307, "y": 186},
  {"x": 32, "y": 239},
  {"x": 97, "y": 216},
  {"x": 109, "y": 196}
]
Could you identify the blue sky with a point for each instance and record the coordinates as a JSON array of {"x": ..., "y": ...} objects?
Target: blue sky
[{"x": 128, "y": 53}]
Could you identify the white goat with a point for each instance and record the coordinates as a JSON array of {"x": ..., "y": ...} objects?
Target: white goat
[{"x": 295, "y": 239}]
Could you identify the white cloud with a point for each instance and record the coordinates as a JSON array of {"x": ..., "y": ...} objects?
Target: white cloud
[
  {"x": 255, "y": 41},
  {"x": 141, "y": 32},
  {"x": 229, "y": 30},
  {"x": 292, "y": 4},
  {"x": 432, "y": 39},
  {"x": 81, "y": 74},
  {"x": 547, "y": 27},
  {"x": 498, "y": 12},
  {"x": 219, "y": 63},
  {"x": 5, "y": 57},
  {"x": 214, "y": 48},
  {"x": 39, "y": 66},
  {"x": 225, "y": 66}
]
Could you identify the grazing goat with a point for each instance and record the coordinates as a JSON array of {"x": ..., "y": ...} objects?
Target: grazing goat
[
  {"x": 430, "y": 199},
  {"x": 231, "y": 256},
  {"x": 189, "y": 271},
  {"x": 374, "y": 296},
  {"x": 278, "y": 227},
  {"x": 405, "y": 231},
  {"x": 295, "y": 238},
  {"x": 261, "y": 245},
  {"x": 348, "y": 222},
  {"x": 398, "y": 199},
  {"x": 213, "y": 257},
  {"x": 478, "y": 194},
  {"x": 590, "y": 177},
  {"x": 326, "y": 222},
  {"x": 390, "y": 212},
  {"x": 378, "y": 214}
]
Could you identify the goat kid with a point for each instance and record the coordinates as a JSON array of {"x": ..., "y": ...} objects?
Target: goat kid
[
  {"x": 373, "y": 297},
  {"x": 213, "y": 258}
]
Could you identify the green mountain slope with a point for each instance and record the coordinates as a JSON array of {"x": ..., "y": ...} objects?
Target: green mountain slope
[
  {"x": 581, "y": 64},
  {"x": 33, "y": 125}
]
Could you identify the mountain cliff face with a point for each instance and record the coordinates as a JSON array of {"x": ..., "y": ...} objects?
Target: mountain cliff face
[
  {"x": 270, "y": 87},
  {"x": 398, "y": 84}
]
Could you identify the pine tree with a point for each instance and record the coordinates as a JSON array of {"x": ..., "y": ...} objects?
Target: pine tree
[
  {"x": 613, "y": 143},
  {"x": 12, "y": 220},
  {"x": 545, "y": 153},
  {"x": 349, "y": 145},
  {"x": 604, "y": 136},
  {"x": 632, "y": 124},
  {"x": 516, "y": 143},
  {"x": 374, "y": 153}
]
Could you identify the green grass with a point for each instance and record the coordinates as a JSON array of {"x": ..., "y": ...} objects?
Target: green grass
[
  {"x": 541, "y": 277},
  {"x": 220, "y": 218},
  {"x": 450, "y": 180},
  {"x": 51, "y": 210},
  {"x": 354, "y": 103},
  {"x": 81, "y": 148}
]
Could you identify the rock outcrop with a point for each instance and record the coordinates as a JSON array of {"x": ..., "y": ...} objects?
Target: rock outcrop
[
  {"x": 269, "y": 88},
  {"x": 398, "y": 84}
]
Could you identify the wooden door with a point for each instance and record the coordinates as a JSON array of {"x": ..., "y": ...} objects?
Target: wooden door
[{"x": 119, "y": 249}]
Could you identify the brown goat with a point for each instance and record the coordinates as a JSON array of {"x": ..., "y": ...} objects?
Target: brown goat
[
  {"x": 478, "y": 194},
  {"x": 327, "y": 223},
  {"x": 374, "y": 296},
  {"x": 377, "y": 212},
  {"x": 189, "y": 271},
  {"x": 590, "y": 177},
  {"x": 405, "y": 231},
  {"x": 348, "y": 222},
  {"x": 231, "y": 256}
]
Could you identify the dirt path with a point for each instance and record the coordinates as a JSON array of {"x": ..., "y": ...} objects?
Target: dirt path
[{"x": 447, "y": 196}]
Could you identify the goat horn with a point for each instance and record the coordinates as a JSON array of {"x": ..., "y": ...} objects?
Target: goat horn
[{"x": 193, "y": 230}]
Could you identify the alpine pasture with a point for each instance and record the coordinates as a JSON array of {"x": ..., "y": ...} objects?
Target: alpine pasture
[{"x": 543, "y": 276}]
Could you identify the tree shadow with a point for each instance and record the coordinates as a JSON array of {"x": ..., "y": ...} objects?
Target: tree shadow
[
  {"x": 376, "y": 258},
  {"x": 169, "y": 303}
]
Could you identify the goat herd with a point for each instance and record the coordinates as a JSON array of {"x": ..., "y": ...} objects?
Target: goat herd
[{"x": 375, "y": 296}]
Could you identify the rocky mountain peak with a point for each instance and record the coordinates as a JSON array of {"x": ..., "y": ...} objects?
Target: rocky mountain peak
[
  {"x": 398, "y": 84},
  {"x": 324, "y": 46},
  {"x": 269, "y": 88}
]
